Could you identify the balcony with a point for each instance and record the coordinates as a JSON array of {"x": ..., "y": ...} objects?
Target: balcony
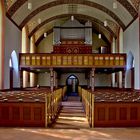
[{"x": 46, "y": 60}]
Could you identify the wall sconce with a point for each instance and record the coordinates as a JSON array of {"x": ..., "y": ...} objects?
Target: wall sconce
[
  {"x": 115, "y": 5},
  {"x": 99, "y": 36},
  {"x": 29, "y": 5},
  {"x": 72, "y": 18},
  {"x": 105, "y": 23},
  {"x": 39, "y": 20},
  {"x": 45, "y": 34}
]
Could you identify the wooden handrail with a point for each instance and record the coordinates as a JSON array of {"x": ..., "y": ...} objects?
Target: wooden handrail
[
  {"x": 52, "y": 105},
  {"x": 88, "y": 103},
  {"x": 72, "y": 60}
]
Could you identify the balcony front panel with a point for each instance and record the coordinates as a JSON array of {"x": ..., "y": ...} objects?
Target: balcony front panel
[{"x": 71, "y": 60}]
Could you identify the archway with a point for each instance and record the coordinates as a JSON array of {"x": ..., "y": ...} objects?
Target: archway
[
  {"x": 130, "y": 69},
  {"x": 130, "y": 60},
  {"x": 11, "y": 73},
  {"x": 14, "y": 70},
  {"x": 72, "y": 83}
]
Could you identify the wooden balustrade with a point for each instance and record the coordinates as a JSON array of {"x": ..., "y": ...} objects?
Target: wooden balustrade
[
  {"x": 68, "y": 60},
  {"x": 88, "y": 102},
  {"x": 52, "y": 105}
]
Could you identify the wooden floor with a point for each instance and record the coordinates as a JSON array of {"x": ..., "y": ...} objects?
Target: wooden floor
[
  {"x": 72, "y": 115},
  {"x": 69, "y": 134}
]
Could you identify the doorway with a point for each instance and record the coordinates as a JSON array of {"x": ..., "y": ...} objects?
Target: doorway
[{"x": 72, "y": 83}]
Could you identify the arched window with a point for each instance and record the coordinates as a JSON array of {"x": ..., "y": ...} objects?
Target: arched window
[
  {"x": 13, "y": 63},
  {"x": 14, "y": 59},
  {"x": 10, "y": 63},
  {"x": 130, "y": 60}
]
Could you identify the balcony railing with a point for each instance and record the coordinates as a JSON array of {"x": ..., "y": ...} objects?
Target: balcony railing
[{"x": 72, "y": 60}]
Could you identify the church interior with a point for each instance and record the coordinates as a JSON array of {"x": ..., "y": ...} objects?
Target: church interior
[{"x": 70, "y": 67}]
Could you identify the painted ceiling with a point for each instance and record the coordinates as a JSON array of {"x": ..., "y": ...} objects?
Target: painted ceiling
[{"x": 44, "y": 13}]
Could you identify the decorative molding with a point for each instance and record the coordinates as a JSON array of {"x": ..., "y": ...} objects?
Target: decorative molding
[
  {"x": 60, "y": 2},
  {"x": 128, "y": 7},
  {"x": 15, "y": 7},
  {"x": 136, "y": 4},
  {"x": 130, "y": 23},
  {"x": 13, "y": 21}
]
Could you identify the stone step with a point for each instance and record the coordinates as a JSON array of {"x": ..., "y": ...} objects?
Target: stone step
[{"x": 72, "y": 115}]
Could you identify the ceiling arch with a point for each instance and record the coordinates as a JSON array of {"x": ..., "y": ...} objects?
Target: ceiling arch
[
  {"x": 98, "y": 11},
  {"x": 92, "y": 19},
  {"x": 14, "y": 5},
  {"x": 60, "y": 2}
]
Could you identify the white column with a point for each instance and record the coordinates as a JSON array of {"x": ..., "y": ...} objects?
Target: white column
[
  {"x": 120, "y": 51},
  {"x": 32, "y": 50},
  {"x": 113, "y": 50},
  {"x": 24, "y": 49},
  {"x": 32, "y": 45},
  {"x": 32, "y": 79},
  {"x": 25, "y": 41},
  {"x": 25, "y": 79},
  {"x": 113, "y": 45},
  {"x": 2, "y": 39}
]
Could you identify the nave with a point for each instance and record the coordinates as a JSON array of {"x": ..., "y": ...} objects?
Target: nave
[
  {"x": 105, "y": 107},
  {"x": 71, "y": 122}
]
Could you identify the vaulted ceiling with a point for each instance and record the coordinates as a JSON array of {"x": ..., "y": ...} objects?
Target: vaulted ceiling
[{"x": 51, "y": 11}]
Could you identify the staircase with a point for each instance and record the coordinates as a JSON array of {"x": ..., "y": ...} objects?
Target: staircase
[{"x": 72, "y": 115}]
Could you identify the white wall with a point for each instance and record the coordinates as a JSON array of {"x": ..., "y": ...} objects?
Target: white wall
[
  {"x": 97, "y": 42},
  {"x": 46, "y": 45},
  {"x": 131, "y": 43},
  {"x": 44, "y": 79},
  {"x": 80, "y": 76},
  {"x": 102, "y": 80},
  {"x": 12, "y": 42}
]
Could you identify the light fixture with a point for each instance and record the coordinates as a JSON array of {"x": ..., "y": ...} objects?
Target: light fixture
[
  {"x": 115, "y": 5},
  {"x": 45, "y": 34},
  {"x": 39, "y": 20},
  {"x": 29, "y": 5},
  {"x": 105, "y": 23},
  {"x": 72, "y": 18},
  {"x": 99, "y": 36}
]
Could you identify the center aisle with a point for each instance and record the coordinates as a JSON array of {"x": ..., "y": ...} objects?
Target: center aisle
[{"x": 72, "y": 115}]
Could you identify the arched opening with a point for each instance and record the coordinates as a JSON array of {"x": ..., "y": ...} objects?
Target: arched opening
[
  {"x": 11, "y": 73},
  {"x": 130, "y": 68},
  {"x": 72, "y": 83},
  {"x": 14, "y": 70},
  {"x": 130, "y": 60}
]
